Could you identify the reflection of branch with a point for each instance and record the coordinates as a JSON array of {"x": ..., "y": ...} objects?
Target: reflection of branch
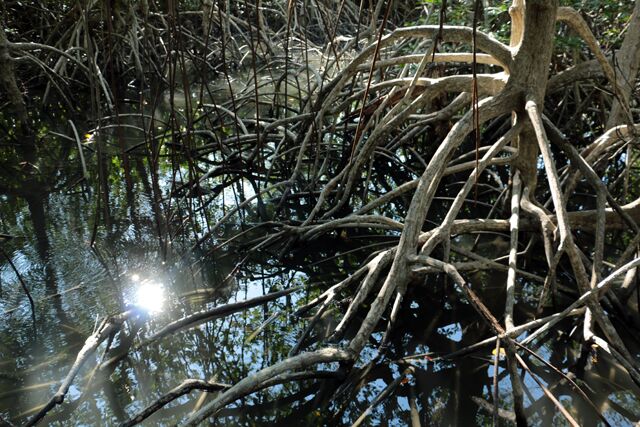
[
  {"x": 486, "y": 406},
  {"x": 512, "y": 333},
  {"x": 568, "y": 379},
  {"x": 384, "y": 394},
  {"x": 24, "y": 288},
  {"x": 200, "y": 317},
  {"x": 567, "y": 416},
  {"x": 517, "y": 387},
  {"x": 109, "y": 327},
  {"x": 217, "y": 312},
  {"x": 184, "y": 388}
]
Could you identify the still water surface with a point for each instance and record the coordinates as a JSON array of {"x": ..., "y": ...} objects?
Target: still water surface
[{"x": 139, "y": 260}]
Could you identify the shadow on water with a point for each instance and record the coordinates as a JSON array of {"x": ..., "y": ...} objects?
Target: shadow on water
[{"x": 54, "y": 219}]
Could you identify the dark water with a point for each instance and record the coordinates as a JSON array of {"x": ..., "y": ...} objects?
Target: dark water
[{"x": 139, "y": 258}]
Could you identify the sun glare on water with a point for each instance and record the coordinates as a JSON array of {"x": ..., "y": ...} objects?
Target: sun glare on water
[{"x": 149, "y": 296}]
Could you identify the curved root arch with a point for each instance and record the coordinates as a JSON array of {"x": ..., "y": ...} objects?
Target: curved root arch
[{"x": 341, "y": 120}]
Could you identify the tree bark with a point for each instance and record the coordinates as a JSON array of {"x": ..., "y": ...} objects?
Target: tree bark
[{"x": 626, "y": 67}]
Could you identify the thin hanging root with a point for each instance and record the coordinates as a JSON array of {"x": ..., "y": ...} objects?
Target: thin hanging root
[
  {"x": 305, "y": 142},
  {"x": 395, "y": 117}
]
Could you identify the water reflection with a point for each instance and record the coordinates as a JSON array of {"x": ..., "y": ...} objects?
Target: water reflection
[{"x": 74, "y": 284}]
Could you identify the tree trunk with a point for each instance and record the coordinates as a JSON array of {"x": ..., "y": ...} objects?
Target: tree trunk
[{"x": 9, "y": 83}]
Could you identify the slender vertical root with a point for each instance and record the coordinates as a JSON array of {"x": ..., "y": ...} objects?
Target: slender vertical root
[{"x": 513, "y": 250}]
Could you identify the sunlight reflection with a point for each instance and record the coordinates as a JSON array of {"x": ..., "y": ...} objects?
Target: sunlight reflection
[{"x": 150, "y": 297}]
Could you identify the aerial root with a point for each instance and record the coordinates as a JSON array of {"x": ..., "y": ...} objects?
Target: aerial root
[{"x": 250, "y": 384}]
